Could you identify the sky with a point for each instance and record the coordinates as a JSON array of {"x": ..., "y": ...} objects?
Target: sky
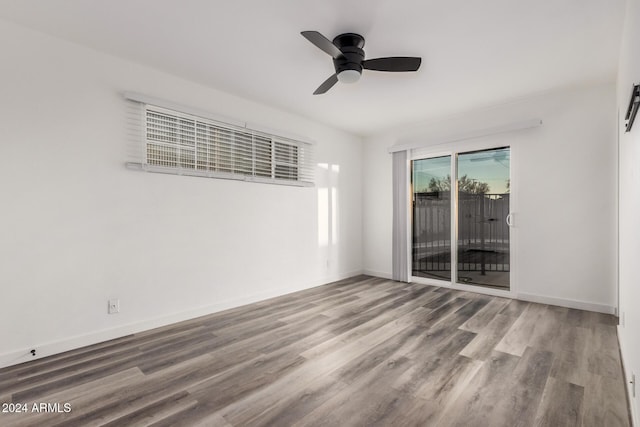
[{"x": 490, "y": 166}]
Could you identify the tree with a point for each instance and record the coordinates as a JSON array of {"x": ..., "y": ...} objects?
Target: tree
[
  {"x": 472, "y": 186},
  {"x": 465, "y": 185},
  {"x": 439, "y": 184}
]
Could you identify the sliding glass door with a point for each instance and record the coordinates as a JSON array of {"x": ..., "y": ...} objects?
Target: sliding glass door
[
  {"x": 431, "y": 235},
  {"x": 483, "y": 212},
  {"x": 474, "y": 216}
]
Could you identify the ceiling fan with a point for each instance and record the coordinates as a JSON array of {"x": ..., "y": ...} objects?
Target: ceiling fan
[{"x": 348, "y": 59}]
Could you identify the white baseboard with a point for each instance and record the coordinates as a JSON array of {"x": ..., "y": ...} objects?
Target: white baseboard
[
  {"x": 333, "y": 278},
  {"x": 377, "y": 274},
  {"x": 50, "y": 348},
  {"x": 581, "y": 305},
  {"x": 631, "y": 400},
  {"x": 55, "y": 347}
]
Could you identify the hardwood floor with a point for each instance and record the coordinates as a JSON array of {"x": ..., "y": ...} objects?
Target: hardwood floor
[{"x": 359, "y": 352}]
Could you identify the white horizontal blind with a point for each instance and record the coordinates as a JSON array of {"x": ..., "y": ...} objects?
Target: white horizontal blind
[{"x": 185, "y": 144}]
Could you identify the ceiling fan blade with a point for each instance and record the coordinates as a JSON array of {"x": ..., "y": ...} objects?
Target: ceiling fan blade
[
  {"x": 322, "y": 43},
  {"x": 328, "y": 84},
  {"x": 395, "y": 63}
]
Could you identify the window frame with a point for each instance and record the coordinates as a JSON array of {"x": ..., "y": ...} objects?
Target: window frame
[{"x": 172, "y": 141}]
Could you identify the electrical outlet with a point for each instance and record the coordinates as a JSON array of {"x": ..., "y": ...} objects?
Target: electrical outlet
[
  {"x": 114, "y": 306},
  {"x": 633, "y": 385}
]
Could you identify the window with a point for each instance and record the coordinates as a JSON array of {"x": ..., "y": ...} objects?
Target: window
[
  {"x": 286, "y": 161},
  {"x": 185, "y": 144}
]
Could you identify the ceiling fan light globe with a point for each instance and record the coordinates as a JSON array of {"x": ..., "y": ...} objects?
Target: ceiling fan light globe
[{"x": 349, "y": 76}]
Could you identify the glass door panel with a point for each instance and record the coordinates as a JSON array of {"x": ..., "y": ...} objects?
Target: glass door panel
[
  {"x": 431, "y": 221},
  {"x": 483, "y": 207}
]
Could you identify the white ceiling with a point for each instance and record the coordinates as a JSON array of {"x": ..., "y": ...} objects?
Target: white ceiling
[{"x": 474, "y": 52}]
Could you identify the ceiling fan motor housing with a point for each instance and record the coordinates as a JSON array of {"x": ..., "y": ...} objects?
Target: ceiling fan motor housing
[{"x": 351, "y": 45}]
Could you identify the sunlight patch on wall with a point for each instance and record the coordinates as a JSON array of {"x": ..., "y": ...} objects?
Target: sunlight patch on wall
[{"x": 328, "y": 202}]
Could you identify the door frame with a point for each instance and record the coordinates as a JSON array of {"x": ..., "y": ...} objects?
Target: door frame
[{"x": 453, "y": 149}]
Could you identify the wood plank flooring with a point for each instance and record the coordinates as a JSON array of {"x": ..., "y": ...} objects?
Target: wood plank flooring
[{"x": 359, "y": 352}]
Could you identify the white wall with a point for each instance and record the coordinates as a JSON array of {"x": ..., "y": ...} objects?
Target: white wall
[
  {"x": 77, "y": 228},
  {"x": 565, "y": 192},
  {"x": 629, "y": 149}
]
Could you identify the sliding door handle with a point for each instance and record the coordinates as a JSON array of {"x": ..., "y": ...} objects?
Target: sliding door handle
[{"x": 509, "y": 219}]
